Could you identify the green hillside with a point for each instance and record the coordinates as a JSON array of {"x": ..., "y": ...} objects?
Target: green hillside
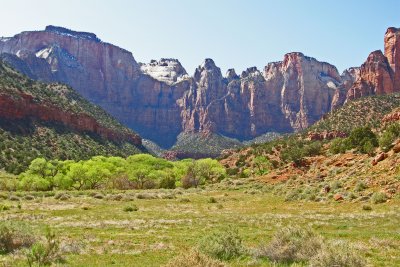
[{"x": 24, "y": 139}]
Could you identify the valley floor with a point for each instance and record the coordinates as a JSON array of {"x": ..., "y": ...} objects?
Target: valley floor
[{"x": 99, "y": 231}]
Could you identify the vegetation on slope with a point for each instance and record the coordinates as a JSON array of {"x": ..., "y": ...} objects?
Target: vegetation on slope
[
  {"x": 22, "y": 140},
  {"x": 362, "y": 112},
  {"x": 197, "y": 145}
]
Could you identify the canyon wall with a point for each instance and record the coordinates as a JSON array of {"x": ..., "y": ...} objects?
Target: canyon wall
[{"x": 159, "y": 100}]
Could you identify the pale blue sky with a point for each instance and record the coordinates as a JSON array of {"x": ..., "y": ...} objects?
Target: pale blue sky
[{"x": 234, "y": 33}]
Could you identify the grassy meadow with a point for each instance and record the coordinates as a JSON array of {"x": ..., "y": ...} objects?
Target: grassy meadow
[{"x": 149, "y": 228}]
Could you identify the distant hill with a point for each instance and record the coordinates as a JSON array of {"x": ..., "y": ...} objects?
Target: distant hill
[{"x": 53, "y": 121}]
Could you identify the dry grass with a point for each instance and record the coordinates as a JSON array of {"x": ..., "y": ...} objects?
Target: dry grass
[{"x": 194, "y": 258}]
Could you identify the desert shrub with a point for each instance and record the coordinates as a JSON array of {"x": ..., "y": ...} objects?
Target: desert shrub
[
  {"x": 122, "y": 183},
  {"x": 294, "y": 154},
  {"x": 116, "y": 197},
  {"x": 291, "y": 244},
  {"x": 245, "y": 173},
  {"x": 378, "y": 197},
  {"x": 386, "y": 140},
  {"x": 340, "y": 145},
  {"x": 62, "y": 196},
  {"x": 366, "y": 207},
  {"x": 29, "y": 197},
  {"x": 45, "y": 253},
  {"x": 363, "y": 139},
  {"x": 146, "y": 196},
  {"x": 232, "y": 171},
  {"x": 212, "y": 200},
  {"x": 131, "y": 208},
  {"x": 313, "y": 149},
  {"x": 4, "y": 207},
  {"x": 194, "y": 258},
  {"x": 360, "y": 186},
  {"x": 224, "y": 244},
  {"x": 367, "y": 148},
  {"x": 14, "y": 236},
  {"x": 14, "y": 198},
  {"x": 293, "y": 195},
  {"x": 336, "y": 185},
  {"x": 167, "y": 182},
  {"x": 262, "y": 165},
  {"x": 98, "y": 196},
  {"x": 339, "y": 254}
]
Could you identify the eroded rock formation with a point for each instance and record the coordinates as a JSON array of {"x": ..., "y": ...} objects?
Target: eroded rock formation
[{"x": 159, "y": 100}]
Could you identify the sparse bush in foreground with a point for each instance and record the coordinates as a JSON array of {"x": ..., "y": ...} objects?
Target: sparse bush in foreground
[
  {"x": 194, "y": 258},
  {"x": 14, "y": 236},
  {"x": 45, "y": 253},
  {"x": 378, "y": 197},
  {"x": 340, "y": 254},
  {"x": 292, "y": 244},
  {"x": 224, "y": 244},
  {"x": 131, "y": 208}
]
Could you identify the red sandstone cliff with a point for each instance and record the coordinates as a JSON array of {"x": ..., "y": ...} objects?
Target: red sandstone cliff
[
  {"x": 25, "y": 107},
  {"x": 159, "y": 100},
  {"x": 380, "y": 74}
]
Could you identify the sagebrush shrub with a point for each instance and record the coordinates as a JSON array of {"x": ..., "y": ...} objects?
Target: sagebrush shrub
[
  {"x": 291, "y": 244},
  {"x": 224, "y": 244},
  {"x": 378, "y": 197},
  {"x": 45, "y": 253},
  {"x": 338, "y": 254},
  {"x": 14, "y": 236}
]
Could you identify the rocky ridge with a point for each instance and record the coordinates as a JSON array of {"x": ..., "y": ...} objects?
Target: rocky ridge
[{"x": 160, "y": 100}]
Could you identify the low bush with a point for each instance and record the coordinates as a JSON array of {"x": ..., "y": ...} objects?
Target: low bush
[
  {"x": 14, "y": 236},
  {"x": 223, "y": 245},
  {"x": 339, "y": 254},
  {"x": 339, "y": 145},
  {"x": 360, "y": 186},
  {"x": 45, "y": 253},
  {"x": 291, "y": 244},
  {"x": 212, "y": 200},
  {"x": 296, "y": 245},
  {"x": 167, "y": 182},
  {"x": 367, "y": 207},
  {"x": 131, "y": 208},
  {"x": 194, "y": 258},
  {"x": 378, "y": 197}
]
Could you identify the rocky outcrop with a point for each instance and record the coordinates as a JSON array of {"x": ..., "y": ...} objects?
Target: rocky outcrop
[
  {"x": 159, "y": 100},
  {"x": 392, "y": 53},
  {"x": 24, "y": 106},
  {"x": 380, "y": 74},
  {"x": 376, "y": 77},
  {"x": 393, "y": 116},
  {"x": 325, "y": 135},
  {"x": 166, "y": 70}
]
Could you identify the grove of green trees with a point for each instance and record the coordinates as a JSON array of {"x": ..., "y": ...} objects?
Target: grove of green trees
[{"x": 140, "y": 171}]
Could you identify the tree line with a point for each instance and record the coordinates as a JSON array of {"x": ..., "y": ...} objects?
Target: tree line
[{"x": 140, "y": 171}]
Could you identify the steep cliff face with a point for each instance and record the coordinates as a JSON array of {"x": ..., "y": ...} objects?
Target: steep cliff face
[
  {"x": 106, "y": 75},
  {"x": 160, "y": 100},
  {"x": 392, "y": 53},
  {"x": 288, "y": 95},
  {"x": 376, "y": 77},
  {"x": 380, "y": 74}
]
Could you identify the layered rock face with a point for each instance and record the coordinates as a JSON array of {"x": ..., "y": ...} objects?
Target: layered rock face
[
  {"x": 392, "y": 53},
  {"x": 25, "y": 107},
  {"x": 103, "y": 73},
  {"x": 159, "y": 100},
  {"x": 380, "y": 74},
  {"x": 288, "y": 95}
]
